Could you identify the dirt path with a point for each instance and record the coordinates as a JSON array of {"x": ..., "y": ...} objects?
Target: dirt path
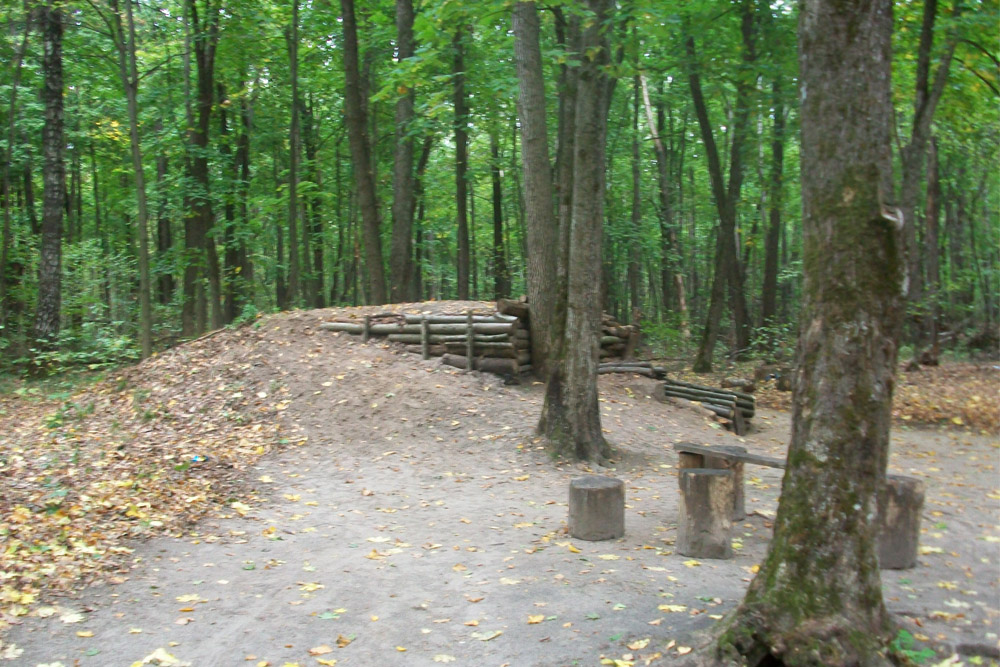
[{"x": 420, "y": 524}]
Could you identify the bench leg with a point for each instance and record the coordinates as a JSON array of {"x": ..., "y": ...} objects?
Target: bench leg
[
  {"x": 900, "y": 502},
  {"x": 688, "y": 460},
  {"x": 705, "y": 520}
]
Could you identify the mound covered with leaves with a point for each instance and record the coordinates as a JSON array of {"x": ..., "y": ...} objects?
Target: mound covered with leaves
[{"x": 145, "y": 452}]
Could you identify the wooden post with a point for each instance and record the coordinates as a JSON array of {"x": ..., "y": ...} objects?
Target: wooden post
[
  {"x": 366, "y": 329},
  {"x": 900, "y": 502},
  {"x": 596, "y": 508},
  {"x": 705, "y": 515},
  {"x": 691, "y": 460},
  {"x": 425, "y": 345},
  {"x": 469, "y": 342}
]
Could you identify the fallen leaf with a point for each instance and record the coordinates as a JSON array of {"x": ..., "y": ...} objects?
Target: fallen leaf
[
  {"x": 441, "y": 657},
  {"x": 343, "y": 641},
  {"x": 532, "y": 620},
  {"x": 487, "y": 636},
  {"x": 320, "y": 650},
  {"x": 84, "y": 633}
]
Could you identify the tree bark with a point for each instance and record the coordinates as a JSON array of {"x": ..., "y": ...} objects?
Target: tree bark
[
  {"x": 726, "y": 196},
  {"x": 361, "y": 157},
  {"x": 129, "y": 75},
  {"x": 202, "y": 258},
  {"x": 633, "y": 243},
  {"x": 769, "y": 291},
  {"x": 913, "y": 154},
  {"x": 461, "y": 163},
  {"x": 294, "y": 153},
  {"x": 501, "y": 274},
  {"x": 817, "y": 599},
  {"x": 401, "y": 249},
  {"x": 571, "y": 418},
  {"x": 47, "y": 311},
  {"x": 164, "y": 234},
  {"x": 541, "y": 229},
  {"x": 5, "y": 239}
]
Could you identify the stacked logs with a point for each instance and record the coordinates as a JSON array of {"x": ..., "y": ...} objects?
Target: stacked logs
[
  {"x": 618, "y": 341},
  {"x": 496, "y": 343},
  {"x": 720, "y": 401}
]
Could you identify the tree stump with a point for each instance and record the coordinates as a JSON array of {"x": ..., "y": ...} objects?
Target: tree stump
[
  {"x": 691, "y": 460},
  {"x": 596, "y": 508},
  {"x": 900, "y": 502},
  {"x": 706, "y": 506}
]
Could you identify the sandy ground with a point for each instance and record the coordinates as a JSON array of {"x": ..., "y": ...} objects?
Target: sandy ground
[{"x": 421, "y": 523}]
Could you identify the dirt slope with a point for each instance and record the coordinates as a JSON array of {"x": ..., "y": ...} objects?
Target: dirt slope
[{"x": 412, "y": 519}]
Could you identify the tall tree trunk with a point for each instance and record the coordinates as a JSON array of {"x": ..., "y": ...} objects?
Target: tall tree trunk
[
  {"x": 501, "y": 274},
  {"x": 933, "y": 249},
  {"x": 776, "y": 200},
  {"x": 5, "y": 239},
  {"x": 726, "y": 195},
  {"x": 461, "y": 163},
  {"x": 314, "y": 237},
  {"x": 912, "y": 155},
  {"x": 202, "y": 259},
  {"x": 401, "y": 250},
  {"x": 294, "y": 140},
  {"x": 418, "y": 217},
  {"x": 361, "y": 157},
  {"x": 817, "y": 599},
  {"x": 47, "y": 311},
  {"x": 230, "y": 253},
  {"x": 541, "y": 229},
  {"x": 633, "y": 242},
  {"x": 129, "y": 75},
  {"x": 571, "y": 417}
]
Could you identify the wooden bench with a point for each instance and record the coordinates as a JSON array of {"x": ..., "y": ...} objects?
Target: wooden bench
[
  {"x": 736, "y": 406},
  {"x": 900, "y": 502}
]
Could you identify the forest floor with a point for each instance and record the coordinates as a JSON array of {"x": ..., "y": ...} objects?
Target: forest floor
[{"x": 281, "y": 495}]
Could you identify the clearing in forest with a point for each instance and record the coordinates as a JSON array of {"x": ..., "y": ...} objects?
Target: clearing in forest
[{"x": 357, "y": 505}]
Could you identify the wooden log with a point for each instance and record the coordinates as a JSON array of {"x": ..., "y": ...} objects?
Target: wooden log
[
  {"x": 596, "y": 508},
  {"x": 631, "y": 344},
  {"x": 900, "y": 501},
  {"x": 644, "y": 364},
  {"x": 605, "y": 369},
  {"x": 705, "y": 519},
  {"x": 463, "y": 319},
  {"x": 524, "y": 368},
  {"x": 521, "y": 355},
  {"x": 487, "y": 364},
  {"x": 725, "y": 411},
  {"x": 450, "y": 338},
  {"x": 696, "y": 460},
  {"x": 366, "y": 329},
  {"x": 612, "y": 340},
  {"x": 516, "y": 308},
  {"x": 708, "y": 394},
  {"x": 432, "y": 350},
  {"x": 690, "y": 385}
]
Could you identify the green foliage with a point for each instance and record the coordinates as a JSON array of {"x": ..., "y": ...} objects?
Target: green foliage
[
  {"x": 905, "y": 645},
  {"x": 91, "y": 347},
  {"x": 664, "y": 338}
]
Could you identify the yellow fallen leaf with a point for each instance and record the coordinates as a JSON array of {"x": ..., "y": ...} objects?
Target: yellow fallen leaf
[
  {"x": 343, "y": 641},
  {"x": 441, "y": 657},
  {"x": 609, "y": 557},
  {"x": 573, "y": 549},
  {"x": 671, "y": 608},
  {"x": 135, "y": 631},
  {"x": 683, "y": 650},
  {"x": 190, "y": 597},
  {"x": 532, "y": 620},
  {"x": 522, "y": 478},
  {"x": 692, "y": 563},
  {"x": 84, "y": 633},
  {"x": 638, "y": 645},
  {"x": 327, "y": 662},
  {"x": 374, "y": 618},
  {"x": 401, "y": 649},
  {"x": 263, "y": 663},
  {"x": 471, "y": 623},
  {"x": 320, "y": 650}
]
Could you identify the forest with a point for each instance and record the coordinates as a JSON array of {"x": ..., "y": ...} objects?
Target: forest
[{"x": 177, "y": 166}]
